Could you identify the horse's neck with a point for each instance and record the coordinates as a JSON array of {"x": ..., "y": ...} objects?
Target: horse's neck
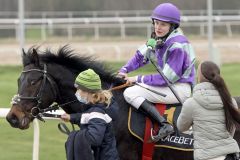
[{"x": 64, "y": 79}]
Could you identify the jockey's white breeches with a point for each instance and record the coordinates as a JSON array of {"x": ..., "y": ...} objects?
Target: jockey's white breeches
[{"x": 136, "y": 94}]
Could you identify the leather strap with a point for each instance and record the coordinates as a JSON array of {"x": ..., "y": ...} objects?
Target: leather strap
[{"x": 148, "y": 146}]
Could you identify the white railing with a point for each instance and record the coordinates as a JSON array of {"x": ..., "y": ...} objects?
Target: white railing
[
  {"x": 113, "y": 20},
  {"x": 93, "y": 24},
  {"x": 36, "y": 130}
]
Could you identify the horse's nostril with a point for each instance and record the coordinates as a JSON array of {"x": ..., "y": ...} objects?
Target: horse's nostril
[{"x": 13, "y": 120}]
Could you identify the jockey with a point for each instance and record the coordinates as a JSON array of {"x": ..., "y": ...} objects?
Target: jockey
[
  {"x": 96, "y": 125},
  {"x": 174, "y": 55}
]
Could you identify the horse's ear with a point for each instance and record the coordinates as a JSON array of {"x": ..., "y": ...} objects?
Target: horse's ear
[
  {"x": 23, "y": 52},
  {"x": 25, "y": 59},
  {"x": 35, "y": 58}
]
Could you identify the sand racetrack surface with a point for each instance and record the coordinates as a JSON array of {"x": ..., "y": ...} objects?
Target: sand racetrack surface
[{"x": 226, "y": 50}]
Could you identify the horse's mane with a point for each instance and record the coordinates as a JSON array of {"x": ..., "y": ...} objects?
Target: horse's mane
[{"x": 75, "y": 62}]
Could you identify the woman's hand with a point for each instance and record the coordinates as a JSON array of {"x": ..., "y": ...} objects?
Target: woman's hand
[{"x": 65, "y": 117}]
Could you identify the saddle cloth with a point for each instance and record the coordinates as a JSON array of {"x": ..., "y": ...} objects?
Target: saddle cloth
[{"x": 178, "y": 140}]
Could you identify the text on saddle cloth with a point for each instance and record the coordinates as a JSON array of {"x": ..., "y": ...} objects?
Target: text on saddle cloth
[{"x": 178, "y": 140}]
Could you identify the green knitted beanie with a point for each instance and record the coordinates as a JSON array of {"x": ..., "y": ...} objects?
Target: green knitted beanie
[{"x": 89, "y": 81}]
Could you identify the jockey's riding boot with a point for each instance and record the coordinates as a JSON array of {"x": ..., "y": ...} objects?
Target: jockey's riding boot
[{"x": 151, "y": 111}]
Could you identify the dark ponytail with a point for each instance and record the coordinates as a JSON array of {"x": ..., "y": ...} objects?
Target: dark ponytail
[{"x": 211, "y": 72}]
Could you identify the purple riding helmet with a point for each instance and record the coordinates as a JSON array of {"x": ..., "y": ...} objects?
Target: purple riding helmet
[{"x": 167, "y": 12}]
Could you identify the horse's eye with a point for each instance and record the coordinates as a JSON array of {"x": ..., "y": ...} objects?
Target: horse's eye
[{"x": 33, "y": 82}]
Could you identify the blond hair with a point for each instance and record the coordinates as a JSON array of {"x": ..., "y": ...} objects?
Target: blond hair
[{"x": 103, "y": 96}]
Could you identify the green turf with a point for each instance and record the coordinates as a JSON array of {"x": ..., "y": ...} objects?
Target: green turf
[
  {"x": 17, "y": 144},
  {"x": 8, "y": 83},
  {"x": 231, "y": 76}
]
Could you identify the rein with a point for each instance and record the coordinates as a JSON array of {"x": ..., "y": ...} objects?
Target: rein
[
  {"x": 53, "y": 107},
  {"x": 120, "y": 86}
]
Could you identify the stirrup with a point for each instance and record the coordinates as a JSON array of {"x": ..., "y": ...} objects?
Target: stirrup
[
  {"x": 154, "y": 138},
  {"x": 159, "y": 136}
]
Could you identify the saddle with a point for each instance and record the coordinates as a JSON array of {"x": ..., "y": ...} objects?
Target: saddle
[{"x": 178, "y": 140}]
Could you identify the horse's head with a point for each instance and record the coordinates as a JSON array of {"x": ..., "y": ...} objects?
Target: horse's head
[
  {"x": 49, "y": 77},
  {"x": 36, "y": 89}
]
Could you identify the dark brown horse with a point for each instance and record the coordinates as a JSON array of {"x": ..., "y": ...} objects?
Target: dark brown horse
[{"x": 48, "y": 78}]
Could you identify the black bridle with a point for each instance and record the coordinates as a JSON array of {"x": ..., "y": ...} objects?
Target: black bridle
[{"x": 35, "y": 111}]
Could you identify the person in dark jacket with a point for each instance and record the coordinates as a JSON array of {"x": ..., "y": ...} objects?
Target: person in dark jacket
[{"x": 95, "y": 140}]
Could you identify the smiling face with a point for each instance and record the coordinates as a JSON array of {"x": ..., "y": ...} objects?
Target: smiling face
[{"x": 161, "y": 28}]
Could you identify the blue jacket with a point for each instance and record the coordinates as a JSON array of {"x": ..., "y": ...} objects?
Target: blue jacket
[{"x": 98, "y": 129}]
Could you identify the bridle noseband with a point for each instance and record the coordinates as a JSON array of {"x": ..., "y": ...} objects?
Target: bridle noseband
[{"x": 46, "y": 77}]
